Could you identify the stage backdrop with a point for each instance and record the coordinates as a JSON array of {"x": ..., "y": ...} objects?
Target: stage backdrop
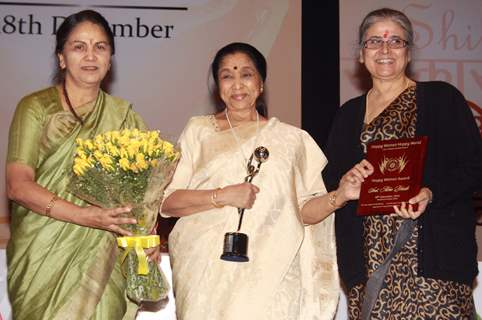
[{"x": 162, "y": 58}]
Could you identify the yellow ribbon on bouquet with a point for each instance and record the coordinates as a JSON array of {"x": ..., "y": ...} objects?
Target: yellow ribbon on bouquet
[{"x": 139, "y": 243}]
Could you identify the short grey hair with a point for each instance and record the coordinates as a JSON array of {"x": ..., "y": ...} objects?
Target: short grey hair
[{"x": 386, "y": 14}]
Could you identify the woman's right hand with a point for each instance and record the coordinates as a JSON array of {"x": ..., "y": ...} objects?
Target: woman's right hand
[
  {"x": 240, "y": 195},
  {"x": 106, "y": 219},
  {"x": 350, "y": 183}
]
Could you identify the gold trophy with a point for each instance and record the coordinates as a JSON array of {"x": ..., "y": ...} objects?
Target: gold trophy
[{"x": 236, "y": 243}]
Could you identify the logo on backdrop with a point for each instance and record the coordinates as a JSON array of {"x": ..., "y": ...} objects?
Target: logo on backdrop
[
  {"x": 477, "y": 114},
  {"x": 34, "y": 24},
  {"x": 451, "y": 42}
]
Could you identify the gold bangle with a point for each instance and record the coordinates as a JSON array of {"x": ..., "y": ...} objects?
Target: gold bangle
[
  {"x": 430, "y": 195},
  {"x": 50, "y": 205},
  {"x": 332, "y": 201},
  {"x": 214, "y": 196}
]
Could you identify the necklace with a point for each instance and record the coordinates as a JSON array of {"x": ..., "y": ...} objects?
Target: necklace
[
  {"x": 69, "y": 104},
  {"x": 372, "y": 115},
  {"x": 238, "y": 141}
]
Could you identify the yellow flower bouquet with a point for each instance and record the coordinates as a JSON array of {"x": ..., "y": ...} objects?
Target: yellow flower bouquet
[{"x": 129, "y": 168}]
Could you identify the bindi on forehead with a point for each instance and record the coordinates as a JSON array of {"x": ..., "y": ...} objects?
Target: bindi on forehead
[
  {"x": 385, "y": 34},
  {"x": 235, "y": 67}
]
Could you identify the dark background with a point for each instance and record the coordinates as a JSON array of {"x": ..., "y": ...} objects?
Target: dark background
[{"x": 320, "y": 67}]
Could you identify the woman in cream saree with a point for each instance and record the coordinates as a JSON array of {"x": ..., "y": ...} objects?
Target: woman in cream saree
[{"x": 292, "y": 272}]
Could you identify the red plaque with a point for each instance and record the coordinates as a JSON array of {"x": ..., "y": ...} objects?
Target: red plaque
[{"x": 397, "y": 177}]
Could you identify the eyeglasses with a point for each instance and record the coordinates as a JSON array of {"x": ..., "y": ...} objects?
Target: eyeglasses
[{"x": 377, "y": 43}]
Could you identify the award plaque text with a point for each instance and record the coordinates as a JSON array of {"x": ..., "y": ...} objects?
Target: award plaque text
[{"x": 397, "y": 176}]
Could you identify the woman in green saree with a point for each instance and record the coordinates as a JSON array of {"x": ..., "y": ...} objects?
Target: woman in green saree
[{"x": 62, "y": 255}]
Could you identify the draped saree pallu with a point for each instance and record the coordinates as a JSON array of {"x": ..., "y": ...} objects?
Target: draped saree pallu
[
  {"x": 292, "y": 272},
  {"x": 59, "y": 270}
]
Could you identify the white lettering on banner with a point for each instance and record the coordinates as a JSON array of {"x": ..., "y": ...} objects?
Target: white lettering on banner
[
  {"x": 30, "y": 25},
  {"x": 449, "y": 38},
  {"x": 468, "y": 43},
  {"x": 423, "y": 33},
  {"x": 457, "y": 37}
]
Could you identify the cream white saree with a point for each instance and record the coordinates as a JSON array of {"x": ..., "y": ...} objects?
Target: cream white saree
[{"x": 292, "y": 272}]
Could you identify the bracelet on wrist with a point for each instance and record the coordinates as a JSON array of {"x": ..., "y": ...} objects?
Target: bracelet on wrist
[
  {"x": 50, "y": 205},
  {"x": 430, "y": 196},
  {"x": 332, "y": 201},
  {"x": 214, "y": 196}
]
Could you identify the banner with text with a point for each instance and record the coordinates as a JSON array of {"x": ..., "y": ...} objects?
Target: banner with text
[{"x": 163, "y": 52}]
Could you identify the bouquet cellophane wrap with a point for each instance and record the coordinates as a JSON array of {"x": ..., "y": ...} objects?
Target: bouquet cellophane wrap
[{"x": 142, "y": 191}]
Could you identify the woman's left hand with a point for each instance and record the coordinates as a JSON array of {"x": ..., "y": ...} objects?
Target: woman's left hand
[
  {"x": 154, "y": 254},
  {"x": 422, "y": 199}
]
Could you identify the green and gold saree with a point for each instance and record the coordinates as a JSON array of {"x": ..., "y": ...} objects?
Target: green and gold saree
[{"x": 59, "y": 270}]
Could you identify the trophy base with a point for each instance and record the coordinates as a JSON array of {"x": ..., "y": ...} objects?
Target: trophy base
[
  {"x": 234, "y": 257},
  {"x": 235, "y": 247}
]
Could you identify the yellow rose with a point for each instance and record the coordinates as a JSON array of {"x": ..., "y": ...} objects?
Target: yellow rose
[
  {"x": 81, "y": 162},
  {"x": 154, "y": 163},
  {"x": 78, "y": 170},
  {"x": 145, "y": 146},
  {"x": 124, "y": 140},
  {"x": 112, "y": 149},
  {"x": 98, "y": 155},
  {"x": 168, "y": 150},
  {"x": 91, "y": 161},
  {"x": 149, "y": 150},
  {"x": 88, "y": 144},
  {"x": 123, "y": 153},
  {"x": 80, "y": 153},
  {"x": 80, "y": 166},
  {"x": 99, "y": 139},
  {"x": 134, "y": 168},
  {"x": 106, "y": 163},
  {"x": 108, "y": 136},
  {"x": 134, "y": 132},
  {"x": 141, "y": 163},
  {"x": 133, "y": 149},
  {"x": 168, "y": 146},
  {"x": 124, "y": 164},
  {"x": 125, "y": 133}
]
